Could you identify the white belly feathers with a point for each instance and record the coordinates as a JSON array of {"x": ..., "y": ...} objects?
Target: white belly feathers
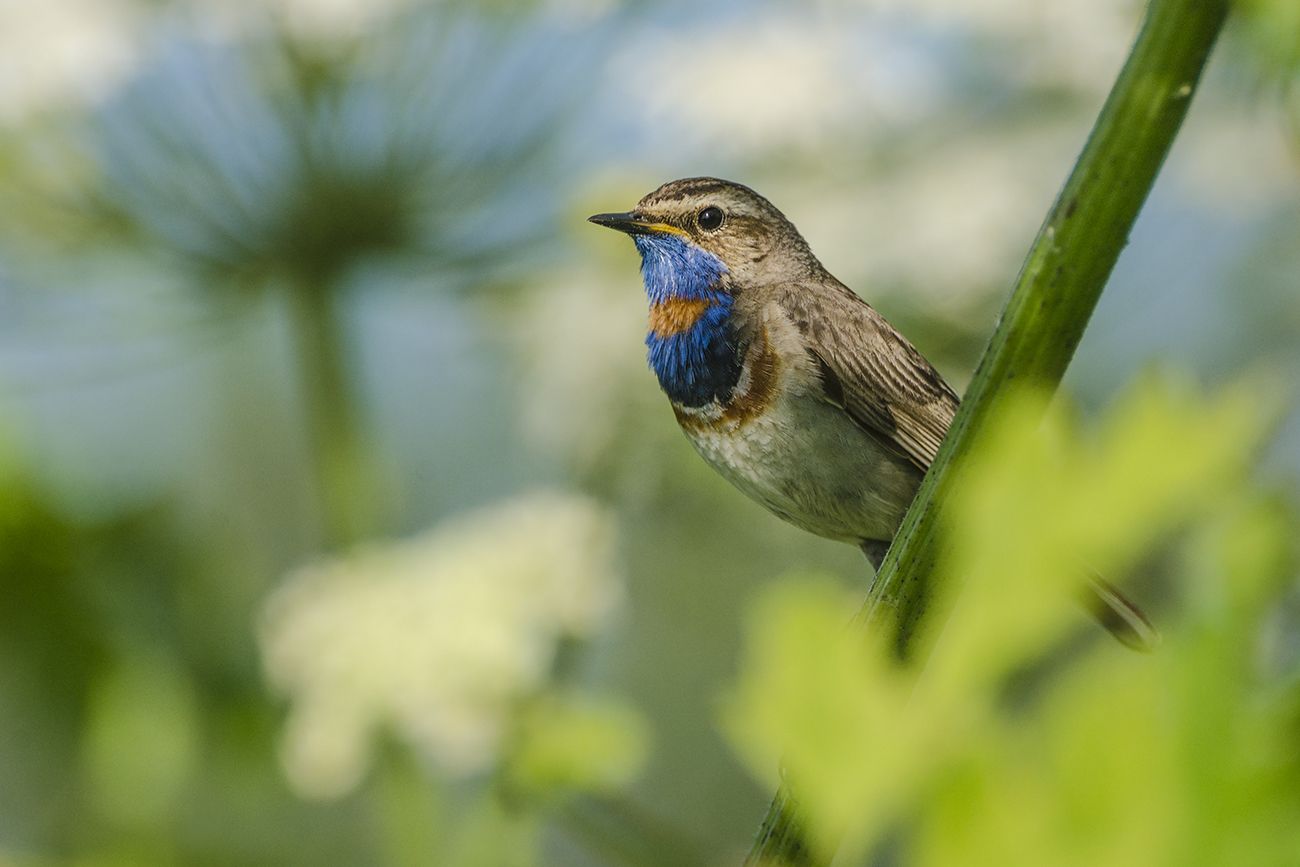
[{"x": 802, "y": 458}]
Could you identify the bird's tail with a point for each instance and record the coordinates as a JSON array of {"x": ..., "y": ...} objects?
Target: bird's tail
[
  {"x": 1111, "y": 608},
  {"x": 1119, "y": 616}
]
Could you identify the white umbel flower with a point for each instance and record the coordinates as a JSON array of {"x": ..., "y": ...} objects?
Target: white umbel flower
[
  {"x": 436, "y": 638},
  {"x": 324, "y": 21},
  {"x": 62, "y": 52},
  {"x": 777, "y": 82}
]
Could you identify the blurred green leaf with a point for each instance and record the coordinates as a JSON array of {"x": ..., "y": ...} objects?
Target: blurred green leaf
[
  {"x": 1114, "y": 758},
  {"x": 1042, "y": 505},
  {"x": 567, "y": 744},
  {"x": 141, "y": 740},
  {"x": 1273, "y": 28},
  {"x": 493, "y": 834},
  {"x": 831, "y": 717}
]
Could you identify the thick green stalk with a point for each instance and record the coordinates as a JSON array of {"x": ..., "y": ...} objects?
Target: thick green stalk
[{"x": 1062, "y": 278}]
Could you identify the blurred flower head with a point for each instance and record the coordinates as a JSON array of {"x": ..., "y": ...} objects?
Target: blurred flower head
[
  {"x": 1064, "y": 44},
  {"x": 308, "y": 20},
  {"x": 947, "y": 222},
  {"x": 61, "y": 50},
  {"x": 244, "y": 152},
  {"x": 773, "y": 82},
  {"x": 437, "y": 639}
]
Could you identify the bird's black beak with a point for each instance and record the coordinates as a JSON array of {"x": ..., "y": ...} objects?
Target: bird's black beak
[{"x": 624, "y": 222}]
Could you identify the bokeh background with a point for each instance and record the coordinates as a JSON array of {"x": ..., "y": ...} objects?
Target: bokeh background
[{"x": 328, "y": 454}]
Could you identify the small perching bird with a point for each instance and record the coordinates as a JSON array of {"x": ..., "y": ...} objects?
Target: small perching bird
[{"x": 791, "y": 386}]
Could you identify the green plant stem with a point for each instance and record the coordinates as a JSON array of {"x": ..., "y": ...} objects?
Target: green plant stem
[
  {"x": 619, "y": 832},
  {"x": 1054, "y": 296},
  {"x": 345, "y": 481}
]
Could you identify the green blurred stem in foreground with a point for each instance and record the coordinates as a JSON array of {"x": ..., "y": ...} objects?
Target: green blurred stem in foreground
[{"x": 1041, "y": 326}]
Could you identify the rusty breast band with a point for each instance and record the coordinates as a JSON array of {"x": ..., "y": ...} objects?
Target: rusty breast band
[{"x": 676, "y": 315}]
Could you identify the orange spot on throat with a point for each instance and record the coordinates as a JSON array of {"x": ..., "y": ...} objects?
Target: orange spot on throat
[{"x": 675, "y": 315}]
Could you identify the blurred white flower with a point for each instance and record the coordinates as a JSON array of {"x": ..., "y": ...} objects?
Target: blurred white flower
[
  {"x": 434, "y": 639},
  {"x": 777, "y": 82},
  {"x": 332, "y": 19},
  {"x": 951, "y": 221},
  {"x": 60, "y": 50},
  {"x": 1072, "y": 43},
  {"x": 309, "y": 20}
]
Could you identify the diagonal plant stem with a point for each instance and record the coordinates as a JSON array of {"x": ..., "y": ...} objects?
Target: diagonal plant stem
[
  {"x": 1054, "y": 296},
  {"x": 619, "y": 831}
]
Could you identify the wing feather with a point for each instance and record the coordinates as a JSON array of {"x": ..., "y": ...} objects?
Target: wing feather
[{"x": 879, "y": 378}]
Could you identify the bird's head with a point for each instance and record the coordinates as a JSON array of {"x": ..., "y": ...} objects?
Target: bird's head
[{"x": 694, "y": 231}]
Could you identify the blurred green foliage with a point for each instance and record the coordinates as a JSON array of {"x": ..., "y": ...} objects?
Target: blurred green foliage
[
  {"x": 568, "y": 745},
  {"x": 1274, "y": 28},
  {"x": 1016, "y": 744}
]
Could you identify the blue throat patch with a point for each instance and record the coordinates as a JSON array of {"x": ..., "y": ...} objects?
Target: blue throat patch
[{"x": 701, "y": 363}]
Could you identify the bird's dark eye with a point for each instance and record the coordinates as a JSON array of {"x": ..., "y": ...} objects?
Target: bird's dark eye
[{"x": 709, "y": 218}]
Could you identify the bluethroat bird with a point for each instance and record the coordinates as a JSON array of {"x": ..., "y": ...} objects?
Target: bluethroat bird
[{"x": 791, "y": 386}]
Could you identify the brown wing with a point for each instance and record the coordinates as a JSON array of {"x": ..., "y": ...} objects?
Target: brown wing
[{"x": 871, "y": 370}]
